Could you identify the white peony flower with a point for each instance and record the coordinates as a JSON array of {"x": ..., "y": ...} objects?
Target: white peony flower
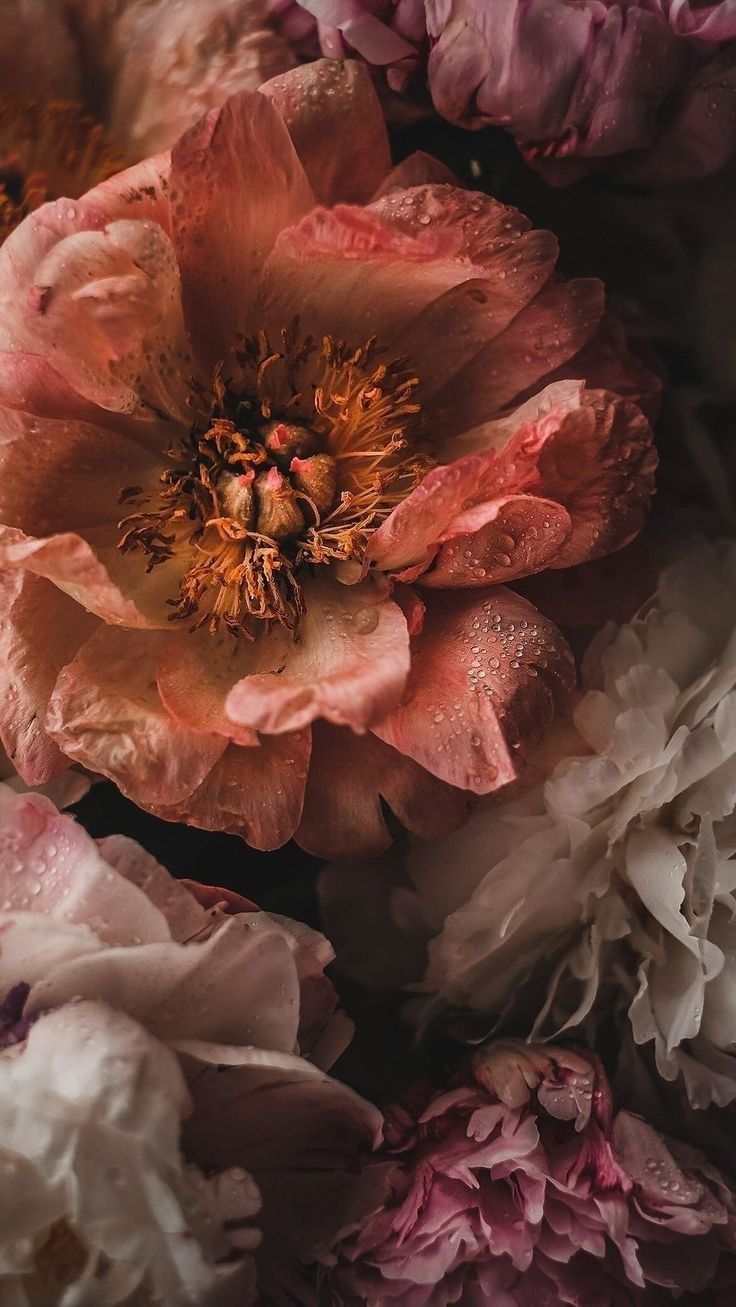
[
  {"x": 97, "y": 1206},
  {"x": 615, "y": 881},
  {"x": 168, "y": 1133}
]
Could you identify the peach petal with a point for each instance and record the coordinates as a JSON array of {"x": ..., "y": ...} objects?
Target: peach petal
[
  {"x": 543, "y": 336},
  {"x": 195, "y": 675},
  {"x": 236, "y": 182},
  {"x": 74, "y": 479},
  {"x": 511, "y": 262},
  {"x": 255, "y": 793},
  {"x": 141, "y": 191},
  {"x": 336, "y": 123},
  {"x": 350, "y": 274},
  {"x": 41, "y": 630},
  {"x": 488, "y": 673},
  {"x": 106, "y": 713},
  {"x": 499, "y": 541},
  {"x": 349, "y": 663},
  {"x": 350, "y": 778},
  {"x": 72, "y": 565}
]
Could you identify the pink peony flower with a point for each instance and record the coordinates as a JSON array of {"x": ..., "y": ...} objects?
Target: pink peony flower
[
  {"x": 526, "y": 1187},
  {"x": 211, "y": 1144},
  {"x": 268, "y": 468},
  {"x": 642, "y": 87}
]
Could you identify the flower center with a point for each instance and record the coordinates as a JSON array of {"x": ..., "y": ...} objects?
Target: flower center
[
  {"x": 296, "y": 457},
  {"x": 48, "y": 149}
]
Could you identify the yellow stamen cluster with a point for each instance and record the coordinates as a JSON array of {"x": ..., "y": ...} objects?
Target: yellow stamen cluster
[
  {"x": 303, "y": 452},
  {"x": 48, "y": 149}
]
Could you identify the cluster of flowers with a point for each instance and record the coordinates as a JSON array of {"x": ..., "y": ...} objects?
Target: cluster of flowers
[{"x": 321, "y": 476}]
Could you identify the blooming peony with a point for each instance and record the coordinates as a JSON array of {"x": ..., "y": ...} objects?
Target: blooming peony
[
  {"x": 643, "y": 87},
  {"x": 283, "y": 457},
  {"x": 166, "y": 1129},
  {"x": 526, "y": 1187},
  {"x": 88, "y": 83},
  {"x": 613, "y": 883}
]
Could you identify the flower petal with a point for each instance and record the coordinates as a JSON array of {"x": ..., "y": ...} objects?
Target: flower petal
[
  {"x": 255, "y": 793},
  {"x": 105, "y": 712},
  {"x": 155, "y": 69},
  {"x": 196, "y": 673},
  {"x": 31, "y": 665},
  {"x": 105, "y": 305},
  {"x": 349, "y": 273},
  {"x": 336, "y": 122},
  {"x": 600, "y": 464},
  {"x": 488, "y": 672},
  {"x": 510, "y": 265},
  {"x": 499, "y": 541},
  {"x": 300, "y": 1134},
  {"x": 56, "y": 870},
  {"x": 238, "y": 987},
  {"x": 349, "y": 663},
  {"x": 236, "y": 182},
  {"x": 550, "y": 330},
  {"x": 349, "y": 779}
]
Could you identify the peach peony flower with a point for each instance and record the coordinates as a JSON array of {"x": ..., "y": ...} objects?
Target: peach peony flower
[
  {"x": 267, "y": 468},
  {"x": 87, "y": 84},
  {"x": 167, "y": 1131},
  {"x": 523, "y": 1186}
]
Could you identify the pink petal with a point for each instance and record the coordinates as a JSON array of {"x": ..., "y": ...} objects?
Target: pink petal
[
  {"x": 349, "y": 663},
  {"x": 600, "y": 464},
  {"x": 488, "y": 673},
  {"x": 57, "y": 871},
  {"x": 105, "y": 712},
  {"x": 196, "y": 673},
  {"x": 336, "y": 123},
  {"x": 41, "y": 630},
  {"x": 499, "y": 541},
  {"x": 349, "y": 778},
  {"x": 255, "y": 793},
  {"x": 236, "y": 182},
  {"x": 184, "y": 915}
]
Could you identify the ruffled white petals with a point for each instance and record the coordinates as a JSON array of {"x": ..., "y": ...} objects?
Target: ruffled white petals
[{"x": 616, "y": 879}]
